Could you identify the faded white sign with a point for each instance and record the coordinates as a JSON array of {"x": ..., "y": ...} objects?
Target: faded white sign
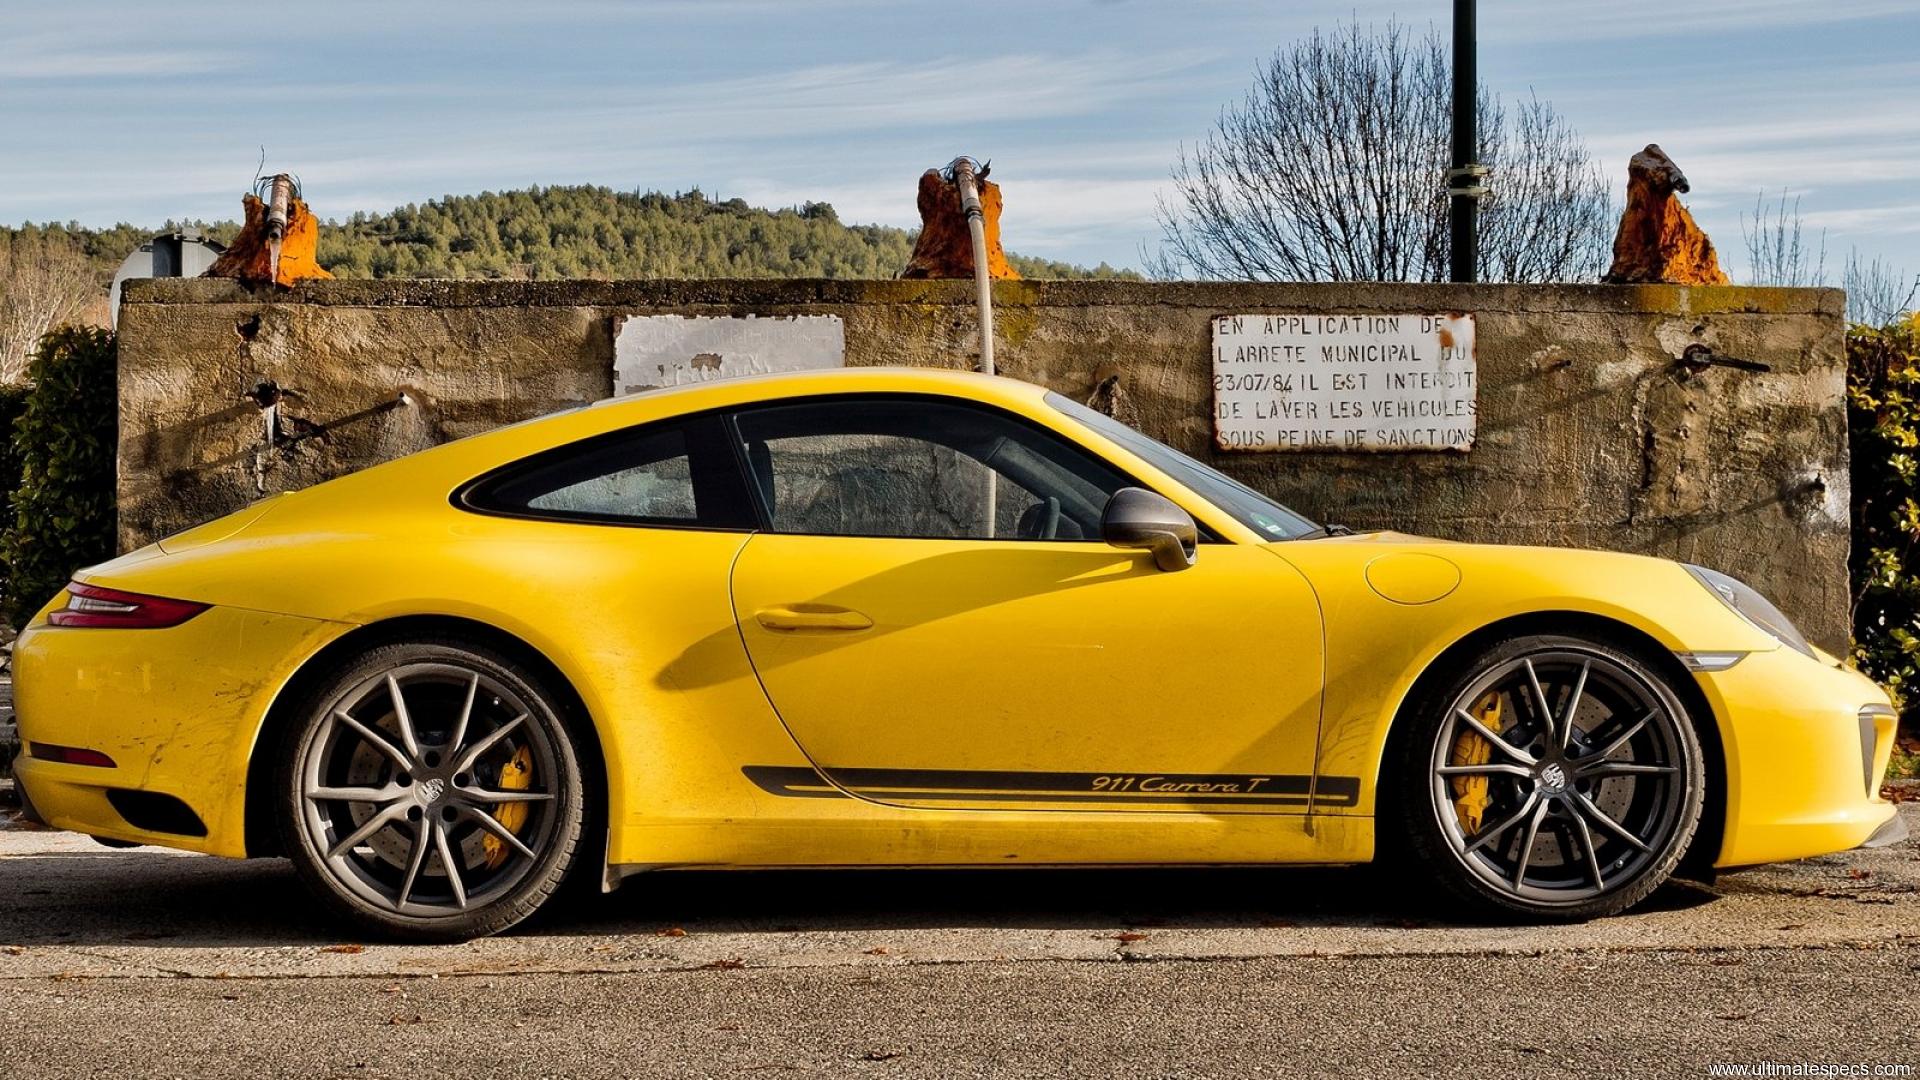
[
  {"x": 1344, "y": 382},
  {"x": 651, "y": 351}
]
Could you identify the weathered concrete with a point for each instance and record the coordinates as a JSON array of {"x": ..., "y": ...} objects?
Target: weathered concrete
[{"x": 1590, "y": 431}]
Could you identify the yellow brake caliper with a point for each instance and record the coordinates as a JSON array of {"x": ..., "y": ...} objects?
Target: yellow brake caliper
[
  {"x": 1472, "y": 748},
  {"x": 517, "y": 775}
]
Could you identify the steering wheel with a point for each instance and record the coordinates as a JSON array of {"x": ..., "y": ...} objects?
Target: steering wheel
[{"x": 1050, "y": 519}]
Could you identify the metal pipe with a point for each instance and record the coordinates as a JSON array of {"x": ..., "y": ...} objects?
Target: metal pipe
[
  {"x": 279, "y": 211},
  {"x": 963, "y": 175},
  {"x": 1463, "y": 178}
]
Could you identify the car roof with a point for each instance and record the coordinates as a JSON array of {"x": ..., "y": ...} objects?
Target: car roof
[
  {"x": 771, "y": 386},
  {"x": 455, "y": 462}
]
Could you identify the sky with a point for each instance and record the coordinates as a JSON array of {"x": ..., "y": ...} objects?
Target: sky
[{"x": 129, "y": 110}]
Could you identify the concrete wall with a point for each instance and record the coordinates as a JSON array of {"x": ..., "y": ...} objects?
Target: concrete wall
[{"x": 1590, "y": 432}]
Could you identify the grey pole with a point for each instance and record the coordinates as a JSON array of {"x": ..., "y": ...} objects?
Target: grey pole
[
  {"x": 963, "y": 175},
  {"x": 1463, "y": 179}
]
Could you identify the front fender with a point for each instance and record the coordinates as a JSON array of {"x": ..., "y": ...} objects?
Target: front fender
[{"x": 1378, "y": 649}]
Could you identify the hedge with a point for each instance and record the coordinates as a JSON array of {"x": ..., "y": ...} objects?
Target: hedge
[
  {"x": 1883, "y": 422},
  {"x": 13, "y": 402},
  {"x": 61, "y": 516}
]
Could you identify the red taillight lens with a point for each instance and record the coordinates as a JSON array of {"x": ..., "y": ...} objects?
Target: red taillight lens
[
  {"x": 91, "y": 605},
  {"x": 68, "y": 755}
]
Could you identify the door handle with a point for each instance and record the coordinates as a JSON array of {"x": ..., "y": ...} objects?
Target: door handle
[{"x": 811, "y": 617}]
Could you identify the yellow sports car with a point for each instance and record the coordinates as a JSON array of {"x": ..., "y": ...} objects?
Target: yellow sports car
[{"x": 909, "y": 617}]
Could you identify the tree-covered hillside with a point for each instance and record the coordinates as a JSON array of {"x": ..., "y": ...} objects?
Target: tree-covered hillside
[{"x": 582, "y": 232}]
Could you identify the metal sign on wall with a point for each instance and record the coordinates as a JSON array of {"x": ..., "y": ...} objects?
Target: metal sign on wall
[
  {"x": 651, "y": 351},
  {"x": 1353, "y": 383}
]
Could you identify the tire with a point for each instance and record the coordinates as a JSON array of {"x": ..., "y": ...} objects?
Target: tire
[
  {"x": 1555, "y": 834},
  {"x": 478, "y": 767}
]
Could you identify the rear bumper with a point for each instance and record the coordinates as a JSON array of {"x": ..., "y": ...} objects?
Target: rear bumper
[
  {"x": 177, "y": 710},
  {"x": 1807, "y": 746},
  {"x": 27, "y": 809}
]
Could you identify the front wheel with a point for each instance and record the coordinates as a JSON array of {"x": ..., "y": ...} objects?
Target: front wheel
[
  {"x": 1549, "y": 777},
  {"x": 430, "y": 791}
]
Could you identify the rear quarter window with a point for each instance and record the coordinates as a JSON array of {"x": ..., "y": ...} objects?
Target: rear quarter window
[{"x": 678, "y": 474}]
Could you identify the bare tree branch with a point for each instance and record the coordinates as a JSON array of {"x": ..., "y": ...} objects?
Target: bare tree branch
[
  {"x": 1776, "y": 254},
  {"x": 1331, "y": 169},
  {"x": 45, "y": 282},
  {"x": 1877, "y": 293}
]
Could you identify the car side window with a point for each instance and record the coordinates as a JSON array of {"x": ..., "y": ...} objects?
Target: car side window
[
  {"x": 675, "y": 474},
  {"x": 921, "y": 467}
]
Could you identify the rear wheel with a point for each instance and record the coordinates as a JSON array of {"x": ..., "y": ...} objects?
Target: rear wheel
[
  {"x": 1550, "y": 777},
  {"x": 430, "y": 791}
]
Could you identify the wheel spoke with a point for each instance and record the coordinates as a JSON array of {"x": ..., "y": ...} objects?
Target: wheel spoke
[
  {"x": 1605, "y": 820},
  {"x": 494, "y": 798},
  {"x": 1593, "y": 852},
  {"x": 491, "y": 824},
  {"x": 374, "y": 824},
  {"x": 379, "y": 796},
  {"x": 1493, "y": 737},
  {"x": 1489, "y": 834},
  {"x": 1618, "y": 741},
  {"x": 447, "y": 862},
  {"x": 1483, "y": 768},
  {"x": 466, "y": 715},
  {"x": 1526, "y": 844},
  {"x": 374, "y": 738},
  {"x": 487, "y": 742},
  {"x": 1624, "y": 768},
  {"x": 1540, "y": 698},
  {"x": 414, "y": 862},
  {"x": 1573, "y": 704},
  {"x": 401, "y": 717}
]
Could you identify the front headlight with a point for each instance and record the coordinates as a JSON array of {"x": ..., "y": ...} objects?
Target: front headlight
[{"x": 1751, "y": 606}]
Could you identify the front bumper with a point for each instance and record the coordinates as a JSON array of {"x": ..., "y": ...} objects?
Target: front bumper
[
  {"x": 177, "y": 710},
  {"x": 1807, "y": 746}
]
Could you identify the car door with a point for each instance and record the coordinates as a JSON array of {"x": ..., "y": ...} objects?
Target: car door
[{"x": 933, "y": 615}]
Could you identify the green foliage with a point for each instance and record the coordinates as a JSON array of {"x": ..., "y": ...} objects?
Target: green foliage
[
  {"x": 1883, "y": 421},
  {"x": 62, "y": 514},
  {"x": 13, "y": 402},
  {"x": 588, "y": 232}
]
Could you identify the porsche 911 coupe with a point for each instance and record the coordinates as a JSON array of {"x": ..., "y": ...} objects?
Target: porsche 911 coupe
[{"x": 912, "y": 618}]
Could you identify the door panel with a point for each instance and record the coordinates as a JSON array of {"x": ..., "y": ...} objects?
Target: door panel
[{"x": 1037, "y": 675}]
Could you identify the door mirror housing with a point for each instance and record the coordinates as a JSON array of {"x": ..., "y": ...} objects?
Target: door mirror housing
[{"x": 1137, "y": 518}]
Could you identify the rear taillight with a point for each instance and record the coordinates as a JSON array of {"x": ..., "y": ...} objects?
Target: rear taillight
[
  {"x": 68, "y": 755},
  {"x": 93, "y": 606}
]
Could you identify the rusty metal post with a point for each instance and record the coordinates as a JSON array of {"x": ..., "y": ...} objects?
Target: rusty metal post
[
  {"x": 279, "y": 207},
  {"x": 963, "y": 175}
]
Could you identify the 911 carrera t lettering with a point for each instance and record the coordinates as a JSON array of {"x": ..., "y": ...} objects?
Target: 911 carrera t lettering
[{"x": 1038, "y": 787}]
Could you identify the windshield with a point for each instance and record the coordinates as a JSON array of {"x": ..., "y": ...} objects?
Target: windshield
[{"x": 1242, "y": 503}]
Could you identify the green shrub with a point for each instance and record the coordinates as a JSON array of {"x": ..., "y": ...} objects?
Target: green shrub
[
  {"x": 13, "y": 401},
  {"x": 62, "y": 514},
  {"x": 1883, "y": 421}
]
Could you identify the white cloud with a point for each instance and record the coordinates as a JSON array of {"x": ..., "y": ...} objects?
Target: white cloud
[
  {"x": 1713, "y": 20},
  {"x": 20, "y": 64}
]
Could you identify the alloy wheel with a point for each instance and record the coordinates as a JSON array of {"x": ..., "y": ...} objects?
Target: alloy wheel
[
  {"x": 1560, "y": 776},
  {"x": 429, "y": 789}
]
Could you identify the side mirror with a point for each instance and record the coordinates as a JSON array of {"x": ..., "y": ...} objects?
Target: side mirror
[{"x": 1138, "y": 518}]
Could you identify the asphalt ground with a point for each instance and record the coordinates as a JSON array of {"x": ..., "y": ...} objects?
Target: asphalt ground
[{"x": 139, "y": 962}]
